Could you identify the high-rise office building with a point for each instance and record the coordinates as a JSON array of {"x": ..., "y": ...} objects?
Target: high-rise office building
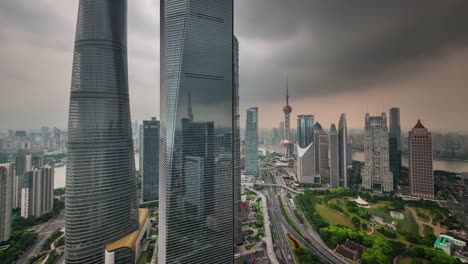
[
  {"x": 196, "y": 223},
  {"x": 251, "y": 142},
  {"x": 394, "y": 126},
  {"x": 376, "y": 174},
  {"x": 37, "y": 191},
  {"x": 150, "y": 172},
  {"x": 237, "y": 142},
  {"x": 343, "y": 152},
  {"x": 281, "y": 130},
  {"x": 101, "y": 204},
  {"x": 305, "y": 165},
  {"x": 334, "y": 157},
  {"x": 140, "y": 148},
  {"x": 305, "y": 132},
  {"x": 395, "y": 144},
  {"x": 6, "y": 187},
  {"x": 321, "y": 153},
  {"x": 421, "y": 174}
]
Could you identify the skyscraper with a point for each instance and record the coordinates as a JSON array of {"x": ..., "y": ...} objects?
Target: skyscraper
[
  {"x": 395, "y": 127},
  {"x": 101, "y": 200},
  {"x": 334, "y": 157},
  {"x": 6, "y": 187},
  {"x": 342, "y": 152},
  {"x": 197, "y": 185},
  {"x": 421, "y": 174},
  {"x": 237, "y": 143},
  {"x": 305, "y": 165},
  {"x": 37, "y": 192},
  {"x": 395, "y": 144},
  {"x": 281, "y": 131},
  {"x": 150, "y": 172},
  {"x": 251, "y": 142},
  {"x": 305, "y": 132},
  {"x": 24, "y": 163},
  {"x": 376, "y": 175},
  {"x": 321, "y": 153}
]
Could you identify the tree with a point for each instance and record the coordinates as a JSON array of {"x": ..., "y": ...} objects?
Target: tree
[{"x": 355, "y": 221}]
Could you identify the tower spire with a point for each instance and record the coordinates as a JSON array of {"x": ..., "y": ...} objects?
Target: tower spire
[{"x": 287, "y": 91}]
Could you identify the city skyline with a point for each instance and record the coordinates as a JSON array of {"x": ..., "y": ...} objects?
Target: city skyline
[{"x": 428, "y": 73}]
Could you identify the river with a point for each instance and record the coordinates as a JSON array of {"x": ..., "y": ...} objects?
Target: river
[
  {"x": 446, "y": 165},
  {"x": 59, "y": 179},
  {"x": 458, "y": 166}
]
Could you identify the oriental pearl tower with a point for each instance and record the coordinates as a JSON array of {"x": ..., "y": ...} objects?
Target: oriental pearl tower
[{"x": 287, "y": 143}]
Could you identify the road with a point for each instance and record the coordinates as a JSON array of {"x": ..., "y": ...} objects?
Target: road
[
  {"x": 317, "y": 246},
  {"x": 266, "y": 222},
  {"x": 43, "y": 230},
  {"x": 277, "y": 221}
]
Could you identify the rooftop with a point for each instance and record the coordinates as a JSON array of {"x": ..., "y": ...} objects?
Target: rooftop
[{"x": 130, "y": 240}]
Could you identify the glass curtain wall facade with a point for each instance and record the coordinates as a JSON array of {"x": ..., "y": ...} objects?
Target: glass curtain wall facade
[
  {"x": 150, "y": 172},
  {"x": 197, "y": 156},
  {"x": 395, "y": 144},
  {"x": 101, "y": 198},
  {"x": 342, "y": 152},
  {"x": 237, "y": 141},
  {"x": 305, "y": 134},
  {"x": 251, "y": 142},
  {"x": 334, "y": 179}
]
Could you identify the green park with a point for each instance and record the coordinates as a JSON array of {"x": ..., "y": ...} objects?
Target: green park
[{"x": 392, "y": 230}]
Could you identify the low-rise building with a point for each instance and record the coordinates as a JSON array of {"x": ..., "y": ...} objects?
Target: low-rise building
[
  {"x": 448, "y": 243},
  {"x": 129, "y": 248}
]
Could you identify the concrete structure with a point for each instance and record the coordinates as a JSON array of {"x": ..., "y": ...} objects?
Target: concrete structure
[
  {"x": 342, "y": 152},
  {"x": 101, "y": 199},
  {"x": 287, "y": 143},
  {"x": 305, "y": 131},
  {"x": 196, "y": 217},
  {"x": 305, "y": 165},
  {"x": 321, "y": 153},
  {"x": 376, "y": 175},
  {"x": 129, "y": 248},
  {"x": 421, "y": 174},
  {"x": 37, "y": 191},
  {"x": 150, "y": 172},
  {"x": 251, "y": 142},
  {"x": 334, "y": 157},
  {"x": 448, "y": 243},
  {"x": 24, "y": 163},
  {"x": 395, "y": 144},
  {"x": 6, "y": 188}
]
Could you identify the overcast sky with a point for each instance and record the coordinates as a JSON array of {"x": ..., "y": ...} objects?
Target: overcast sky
[{"x": 339, "y": 56}]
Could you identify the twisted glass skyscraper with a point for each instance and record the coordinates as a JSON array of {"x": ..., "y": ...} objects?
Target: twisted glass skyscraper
[
  {"x": 197, "y": 155},
  {"x": 101, "y": 201}
]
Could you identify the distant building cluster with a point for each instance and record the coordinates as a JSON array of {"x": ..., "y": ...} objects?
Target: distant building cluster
[{"x": 27, "y": 185}]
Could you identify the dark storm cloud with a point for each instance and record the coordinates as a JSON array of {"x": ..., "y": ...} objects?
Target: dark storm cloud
[{"x": 334, "y": 46}]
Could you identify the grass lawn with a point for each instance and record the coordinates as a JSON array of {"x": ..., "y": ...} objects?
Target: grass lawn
[
  {"x": 383, "y": 213},
  {"x": 144, "y": 258},
  {"x": 332, "y": 217},
  {"x": 409, "y": 224},
  {"x": 292, "y": 247}
]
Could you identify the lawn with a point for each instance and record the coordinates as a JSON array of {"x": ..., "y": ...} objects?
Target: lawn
[
  {"x": 409, "y": 224},
  {"x": 332, "y": 217},
  {"x": 382, "y": 212},
  {"x": 144, "y": 258}
]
